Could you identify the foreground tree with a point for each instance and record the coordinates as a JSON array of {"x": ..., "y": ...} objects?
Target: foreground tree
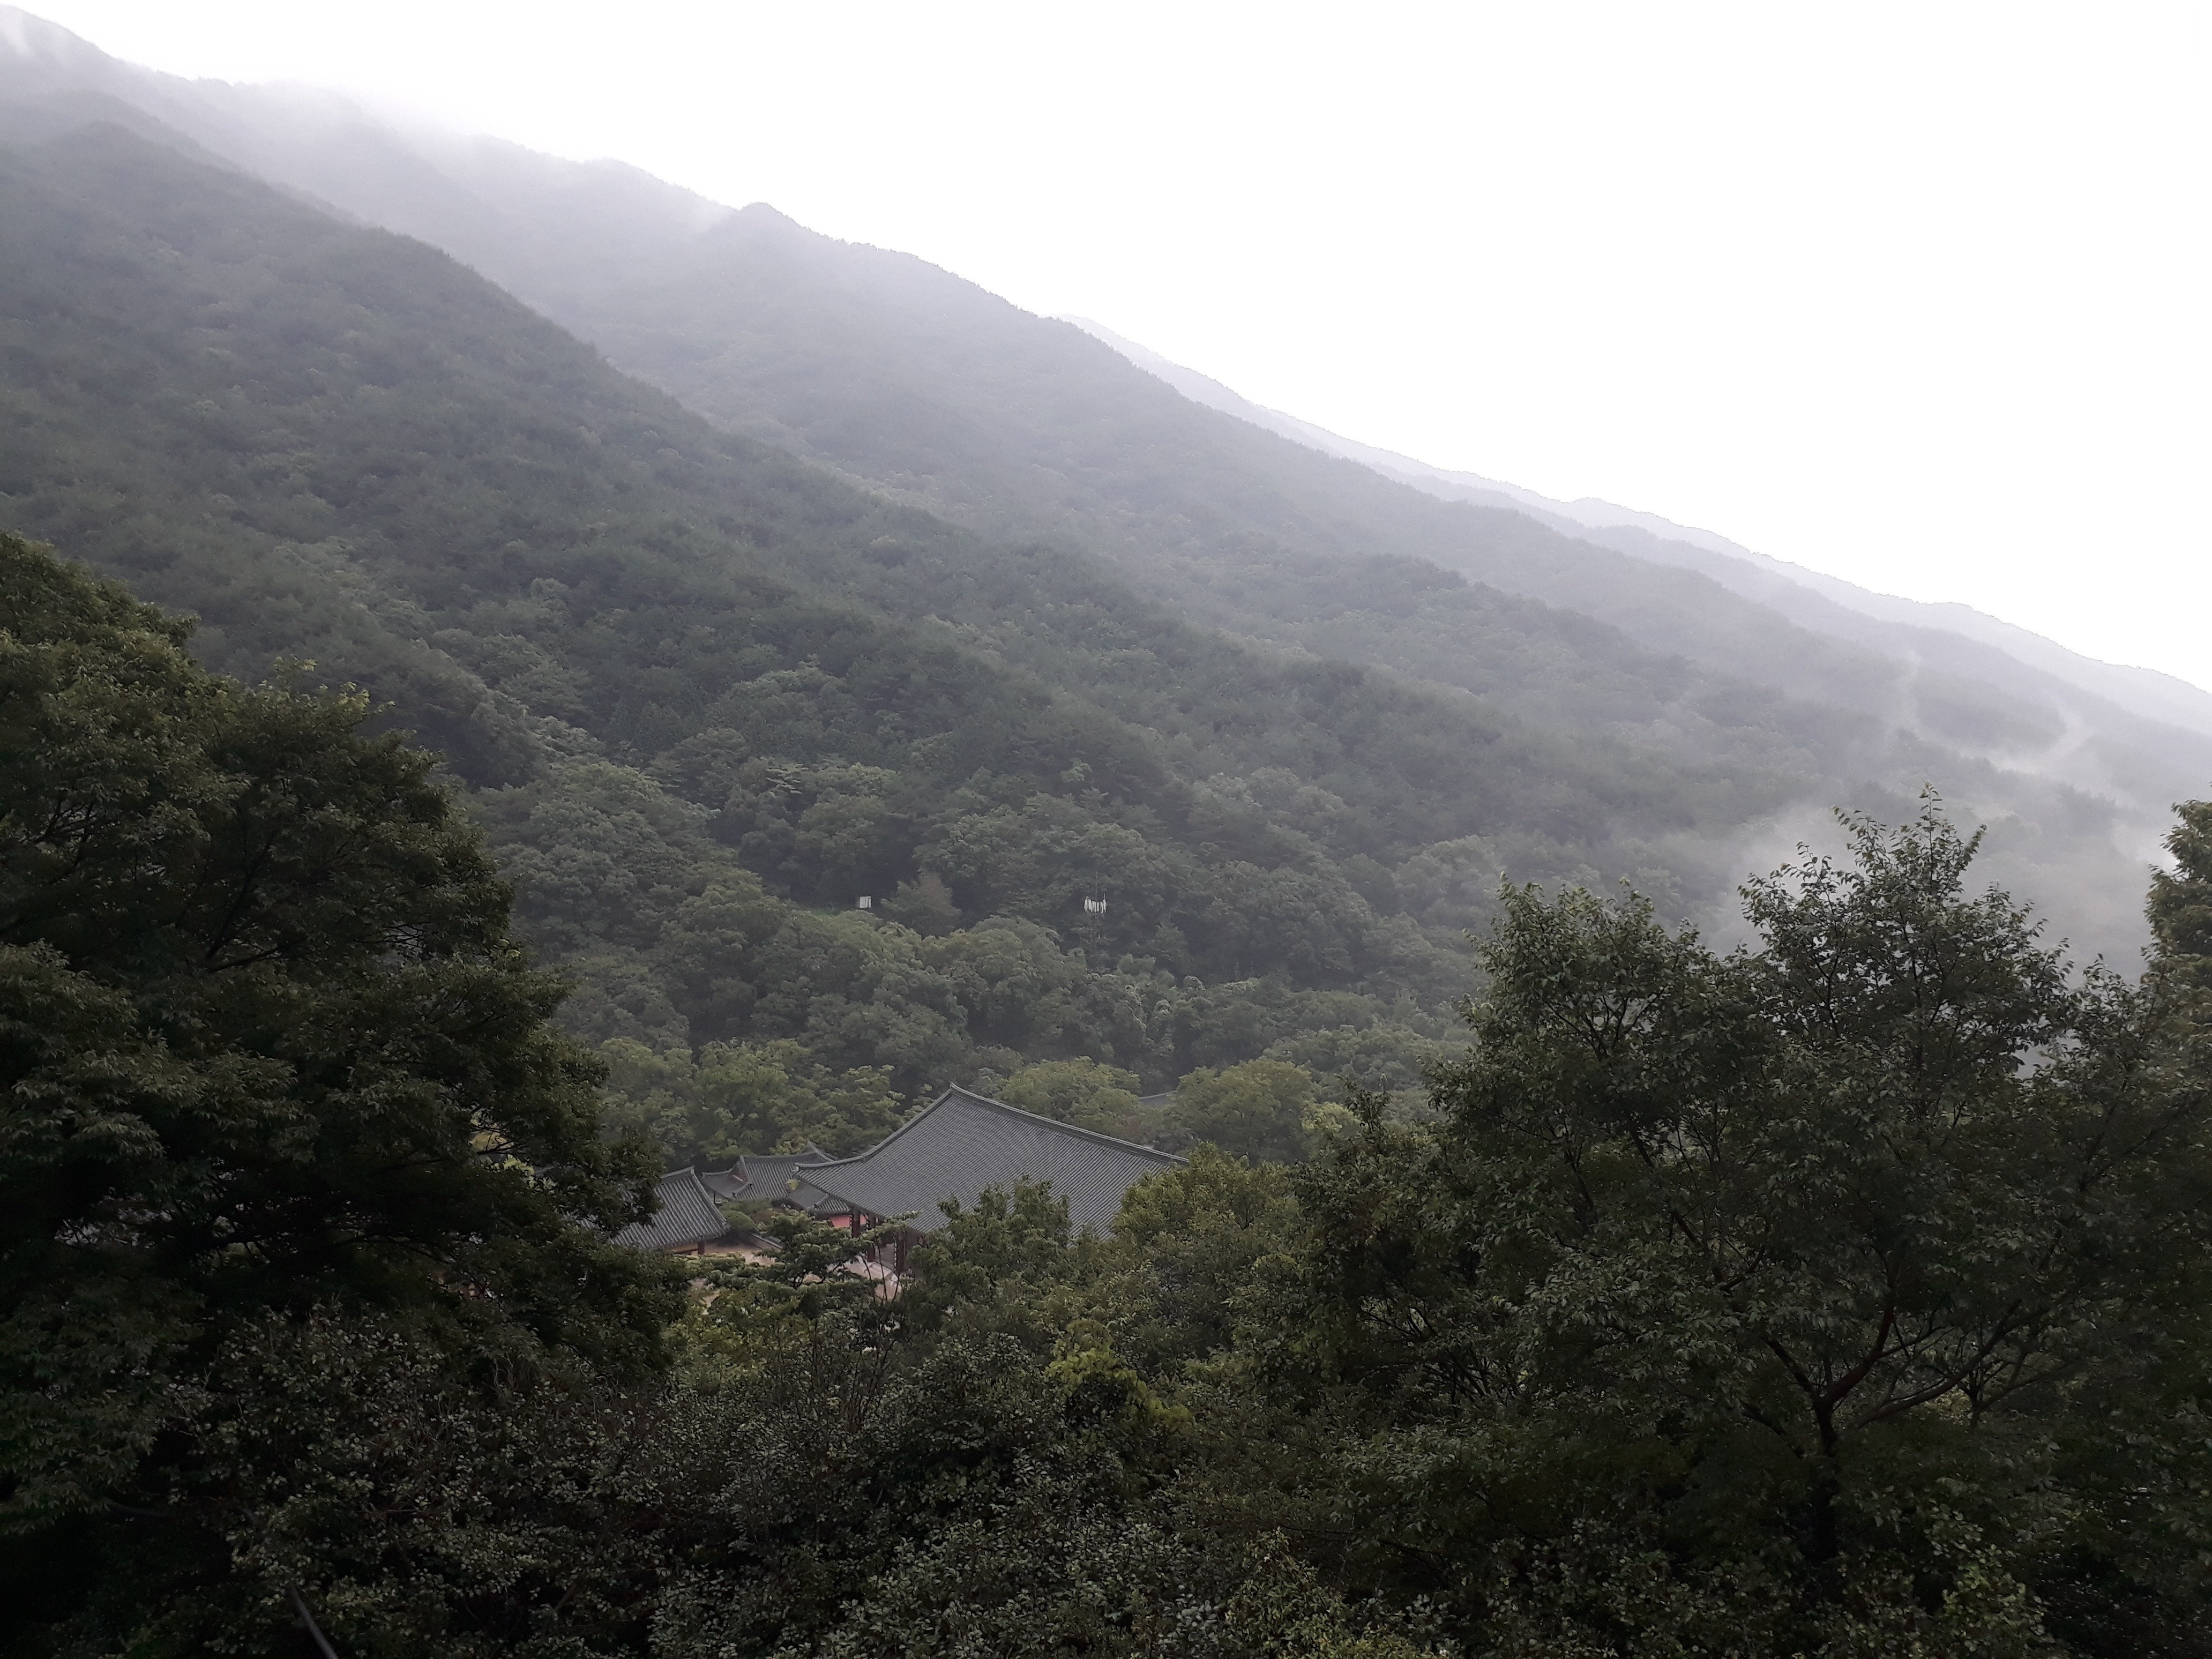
[
  {"x": 1846, "y": 1295},
  {"x": 265, "y": 1046},
  {"x": 1843, "y": 1296}
]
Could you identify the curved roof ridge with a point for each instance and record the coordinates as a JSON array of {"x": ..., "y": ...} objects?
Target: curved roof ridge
[
  {"x": 951, "y": 1089},
  {"x": 805, "y": 1160},
  {"x": 963, "y": 1143},
  {"x": 973, "y": 1098}
]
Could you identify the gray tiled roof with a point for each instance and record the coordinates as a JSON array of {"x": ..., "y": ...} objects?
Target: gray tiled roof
[
  {"x": 767, "y": 1175},
  {"x": 966, "y": 1142},
  {"x": 687, "y": 1216}
]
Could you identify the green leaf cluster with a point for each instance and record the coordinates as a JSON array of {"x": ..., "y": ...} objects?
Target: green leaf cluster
[
  {"x": 267, "y": 1045},
  {"x": 1798, "y": 1299}
]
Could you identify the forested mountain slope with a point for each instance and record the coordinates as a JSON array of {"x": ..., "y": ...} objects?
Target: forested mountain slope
[
  {"x": 573, "y": 236},
  {"x": 881, "y": 365},
  {"x": 317, "y": 1338},
  {"x": 921, "y": 384},
  {"x": 573, "y": 240},
  {"x": 709, "y": 695}
]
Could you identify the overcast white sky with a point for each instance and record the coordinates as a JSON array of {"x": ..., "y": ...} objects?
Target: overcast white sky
[{"x": 1916, "y": 295}]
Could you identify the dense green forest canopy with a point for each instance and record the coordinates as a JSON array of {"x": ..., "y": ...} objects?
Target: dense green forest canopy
[
  {"x": 708, "y": 696},
  {"x": 895, "y": 371},
  {"x": 1845, "y": 1294}
]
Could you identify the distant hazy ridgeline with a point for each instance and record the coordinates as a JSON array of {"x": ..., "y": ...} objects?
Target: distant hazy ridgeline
[{"x": 1660, "y": 680}]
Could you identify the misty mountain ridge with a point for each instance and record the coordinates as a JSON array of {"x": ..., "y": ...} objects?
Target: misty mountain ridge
[
  {"x": 1806, "y": 596},
  {"x": 474, "y": 191},
  {"x": 916, "y": 384},
  {"x": 483, "y": 198}
]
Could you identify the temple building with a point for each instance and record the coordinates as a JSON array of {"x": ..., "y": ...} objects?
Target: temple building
[
  {"x": 954, "y": 1148},
  {"x": 685, "y": 1218}
]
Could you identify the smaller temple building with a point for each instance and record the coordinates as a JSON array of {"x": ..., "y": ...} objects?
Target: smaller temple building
[
  {"x": 685, "y": 1218},
  {"x": 954, "y": 1148}
]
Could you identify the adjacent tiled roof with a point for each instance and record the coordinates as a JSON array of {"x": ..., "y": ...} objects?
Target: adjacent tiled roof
[
  {"x": 769, "y": 1175},
  {"x": 687, "y": 1216},
  {"x": 965, "y": 1142}
]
